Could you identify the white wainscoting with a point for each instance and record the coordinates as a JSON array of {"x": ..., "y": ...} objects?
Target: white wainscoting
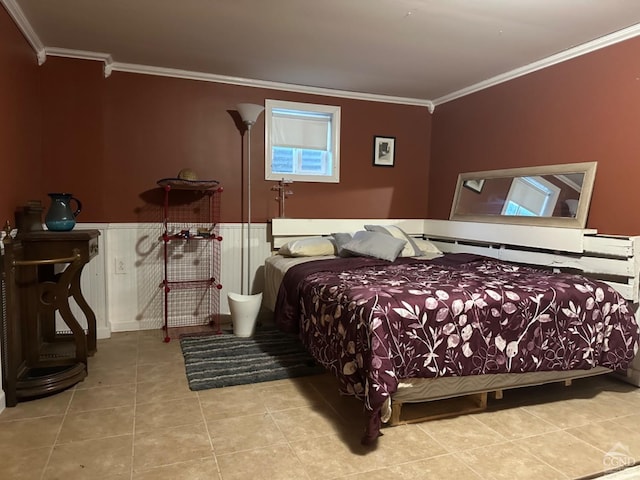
[
  {"x": 92, "y": 284},
  {"x": 130, "y": 298}
]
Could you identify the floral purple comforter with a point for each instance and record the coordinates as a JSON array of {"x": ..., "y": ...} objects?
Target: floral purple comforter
[{"x": 372, "y": 322}]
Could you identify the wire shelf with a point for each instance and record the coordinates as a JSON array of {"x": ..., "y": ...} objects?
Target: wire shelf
[{"x": 191, "y": 247}]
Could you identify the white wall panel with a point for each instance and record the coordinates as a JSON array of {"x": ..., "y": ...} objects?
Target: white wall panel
[
  {"x": 131, "y": 296},
  {"x": 93, "y": 286}
]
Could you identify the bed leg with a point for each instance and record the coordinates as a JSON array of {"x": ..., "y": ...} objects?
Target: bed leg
[
  {"x": 498, "y": 394},
  {"x": 481, "y": 400},
  {"x": 567, "y": 383},
  {"x": 396, "y": 408}
]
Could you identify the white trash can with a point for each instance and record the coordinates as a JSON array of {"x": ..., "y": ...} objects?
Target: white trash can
[{"x": 244, "y": 312}]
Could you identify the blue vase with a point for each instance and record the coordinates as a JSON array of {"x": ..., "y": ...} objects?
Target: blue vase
[{"x": 61, "y": 217}]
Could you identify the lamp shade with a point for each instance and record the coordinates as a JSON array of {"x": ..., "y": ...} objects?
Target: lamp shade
[{"x": 249, "y": 112}]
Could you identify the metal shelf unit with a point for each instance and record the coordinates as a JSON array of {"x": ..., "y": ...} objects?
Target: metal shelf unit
[{"x": 191, "y": 253}]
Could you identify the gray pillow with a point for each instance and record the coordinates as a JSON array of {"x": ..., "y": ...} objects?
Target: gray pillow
[
  {"x": 341, "y": 239},
  {"x": 375, "y": 244},
  {"x": 409, "y": 250}
]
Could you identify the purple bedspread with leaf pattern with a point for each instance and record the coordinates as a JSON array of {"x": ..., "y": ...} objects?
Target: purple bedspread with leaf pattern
[{"x": 373, "y": 322}]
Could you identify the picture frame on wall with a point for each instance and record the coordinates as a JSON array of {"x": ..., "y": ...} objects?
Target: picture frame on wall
[
  {"x": 384, "y": 151},
  {"x": 474, "y": 184}
]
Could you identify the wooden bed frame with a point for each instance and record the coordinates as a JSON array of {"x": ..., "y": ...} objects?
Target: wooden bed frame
[{"x": 612, "y": 259}]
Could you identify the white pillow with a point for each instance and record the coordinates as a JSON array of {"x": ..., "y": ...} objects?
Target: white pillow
[
  {"x": 375, "y": 244},
  {"x": 426, "y": 246},
  {"x": 308, "y": 247},
  {"x": 410, "y": 249}
]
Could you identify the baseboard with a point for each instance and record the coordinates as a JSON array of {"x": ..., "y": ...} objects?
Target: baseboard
[
  {"x": 153, "y": 324},
  {"x": 132, "y": 326},
  {"x": 3, "y": 401},
  {"x": 103, "y": 332}
]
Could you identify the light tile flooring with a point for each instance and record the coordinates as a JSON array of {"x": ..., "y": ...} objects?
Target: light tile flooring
[{"x": 134, "y": 417}]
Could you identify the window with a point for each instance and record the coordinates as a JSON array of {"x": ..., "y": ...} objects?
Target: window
[
  {"x": 531, "y": 197},
  {"x": 302, "y": 142}
]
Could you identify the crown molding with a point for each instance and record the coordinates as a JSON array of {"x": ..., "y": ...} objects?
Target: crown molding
[
  {"x": 84, "y": 55},
  {"x": 602, "y": 42},
  {"x": 247, "y": 82},
  {"x": 25, "y": 27},
  {"x": 109, "y": 66}
]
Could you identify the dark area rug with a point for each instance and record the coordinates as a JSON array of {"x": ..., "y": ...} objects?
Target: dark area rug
[{"x": 213, "y": 361}]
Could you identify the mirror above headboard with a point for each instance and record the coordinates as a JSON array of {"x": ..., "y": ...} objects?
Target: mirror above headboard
[{"x": 550, "y": 195}]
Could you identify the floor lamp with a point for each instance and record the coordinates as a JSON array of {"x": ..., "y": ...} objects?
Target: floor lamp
[{"x": 245, "y": 307}]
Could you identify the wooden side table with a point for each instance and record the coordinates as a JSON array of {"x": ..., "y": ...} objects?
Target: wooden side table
[
  {"x": 48, "y": 244},
  {"x": 40, "y": 360}
]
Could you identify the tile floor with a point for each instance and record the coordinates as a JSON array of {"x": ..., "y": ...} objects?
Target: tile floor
[{"x": 134, "y": 417}]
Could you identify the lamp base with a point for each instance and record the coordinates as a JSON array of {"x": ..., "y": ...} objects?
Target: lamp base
[{"x": 244, "y": 312}]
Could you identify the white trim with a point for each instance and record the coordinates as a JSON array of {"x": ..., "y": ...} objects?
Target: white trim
[
  {"x": 296, "y": 227},
  {"x": 552, "y": 238},
  {"x": 120, "y": 225},
  {"x": 560, "y": 57},
  {"x": 83, "y": 55},
  {"x": 25, "y": 27},
  {"x": 18, "y": 16},
  {"x": 247, "y": 82},
  {"x": 567, "y": 181}
]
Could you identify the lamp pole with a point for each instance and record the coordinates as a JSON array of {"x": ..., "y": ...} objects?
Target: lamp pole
[
  {"x": 249, "y": 207},
  {"x": 249, "y": 113}
]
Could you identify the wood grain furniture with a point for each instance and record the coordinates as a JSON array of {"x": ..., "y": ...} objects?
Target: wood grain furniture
[{"x": 45, "y": 347}]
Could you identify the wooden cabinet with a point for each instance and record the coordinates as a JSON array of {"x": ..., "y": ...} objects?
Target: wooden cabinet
[
  {"x": 41, "y": 272},
  {"x": 191, "y": 251}
]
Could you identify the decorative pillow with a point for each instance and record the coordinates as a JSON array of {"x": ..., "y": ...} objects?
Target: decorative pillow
[
  {"x": 308, "y": 247},
  {"x": 375, "y": 244},
  {"x": 410, "y": 249},
  {"x": 341, "y": 239},
  {"x": 426, "y": 246}
]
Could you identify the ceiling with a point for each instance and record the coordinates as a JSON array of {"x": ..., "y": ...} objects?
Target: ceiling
[{"x": 418, "y": 51}]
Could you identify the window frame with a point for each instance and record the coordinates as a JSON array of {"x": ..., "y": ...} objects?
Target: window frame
[
  {"x": 332, "y": 110},
  {"x": 536, "y": 184}
]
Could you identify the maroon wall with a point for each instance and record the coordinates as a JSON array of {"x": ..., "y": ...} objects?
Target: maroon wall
[
  {"x": 155, "y": 126},
  {"x": 65, "y": 127},
  {"x": 582, "y": 110},
  {"x": 136, "y": 129},
  {"x": 20, "y": 120},
  {"x": 73, "y": 153}
]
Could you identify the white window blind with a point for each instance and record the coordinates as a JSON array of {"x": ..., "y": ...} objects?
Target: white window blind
[
  {"x": 534, "y": 194},
  {"x": 529, "y": 196},
  {"x": 300, "y": 130}
]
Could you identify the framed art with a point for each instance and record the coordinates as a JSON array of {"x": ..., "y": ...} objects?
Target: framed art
[
  {"x": 384, "y": 151},
  {"x": 475, "y": 184}
]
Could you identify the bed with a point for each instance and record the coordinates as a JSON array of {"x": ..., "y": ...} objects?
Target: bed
[{"x": 424, "y": 327}]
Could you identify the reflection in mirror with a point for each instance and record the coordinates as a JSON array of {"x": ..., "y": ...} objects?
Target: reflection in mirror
[{"x": 552, "y": 195}]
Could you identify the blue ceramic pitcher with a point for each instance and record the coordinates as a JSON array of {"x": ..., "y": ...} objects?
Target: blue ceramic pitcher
[{"x": 61, "y": 217}]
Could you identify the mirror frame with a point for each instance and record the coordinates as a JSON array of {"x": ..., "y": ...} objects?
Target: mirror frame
[{"x": 579, "y": 221}]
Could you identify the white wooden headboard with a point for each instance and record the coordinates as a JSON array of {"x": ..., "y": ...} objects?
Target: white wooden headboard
[{"x": 613, "y": 259}]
